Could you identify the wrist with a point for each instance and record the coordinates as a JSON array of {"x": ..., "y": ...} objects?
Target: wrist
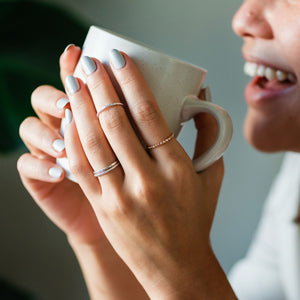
[
  {"x": 204, "y": 280},
  {"x": 79, "y": 246},
  {"x": 106, "y": 275}
]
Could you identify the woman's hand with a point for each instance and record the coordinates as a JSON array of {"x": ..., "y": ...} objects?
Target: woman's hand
[
  {"x": 154, "y": 209},
  {"x": 64, "y": 201}
]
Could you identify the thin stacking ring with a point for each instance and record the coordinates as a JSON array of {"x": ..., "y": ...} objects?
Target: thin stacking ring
[
  {"x": 168, "y": 139},
  {"x": 106, "y": 169},
  {"x": 108, "y": 106}
]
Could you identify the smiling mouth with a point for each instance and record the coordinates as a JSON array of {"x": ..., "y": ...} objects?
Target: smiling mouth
[{"x": 268, "y": 78}]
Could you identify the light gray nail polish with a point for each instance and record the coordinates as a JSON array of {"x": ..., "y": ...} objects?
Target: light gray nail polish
[
  {"x": 68, "y": 116},
  {"x": 72, "y": 84},
  {"x": 89, "y": 65},
  {"x": 61, "y": 103},
  {"x": 68, "y": 47},
  {"x": 117, "y": 59},
  {"x": 58, "y": 145},
  {"x": 55, "y": 172}
]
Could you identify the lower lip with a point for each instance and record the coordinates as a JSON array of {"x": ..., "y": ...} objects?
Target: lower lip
[{"x": 258, "y": 96}]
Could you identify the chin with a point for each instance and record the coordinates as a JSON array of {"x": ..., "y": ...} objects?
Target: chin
[
  {"x": 268, "y": 135},
  {"x": 258, "y": 143}
]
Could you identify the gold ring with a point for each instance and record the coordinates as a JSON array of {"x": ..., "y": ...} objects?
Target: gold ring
[{"x": 168, "y": 139}]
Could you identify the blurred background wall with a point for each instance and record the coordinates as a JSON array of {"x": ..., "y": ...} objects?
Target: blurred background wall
[{"x": 34, "y": 254}]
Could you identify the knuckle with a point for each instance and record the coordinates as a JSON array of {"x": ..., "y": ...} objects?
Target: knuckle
[
  {"x": 76, "y": 168},
  {"x": 119, "y": 209},
  {"x": 22, "y": 161},
  {"x": 93, "y": 142},
  {"x": 45, "y": 142},
  {"x": 44, "y": 97},
  {"x": 26, "y": 126},
  {"x": 128, "y": 80},
  {"x": 96, "y": 83},
  {"x": 37, "y": 93},
  {"x": 146, "y": 113},
  {"x": 180, "y": 171},
  {"x": 177, "y": 176},
  {"x": 118, "y": 206},
  {"x": 113, "y": 119},
  {"x": 78, "y": 104},
  {"x": 145, "y": 190}
]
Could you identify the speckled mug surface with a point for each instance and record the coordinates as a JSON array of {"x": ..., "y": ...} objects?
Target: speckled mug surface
[{"x": 174, "y": 83}]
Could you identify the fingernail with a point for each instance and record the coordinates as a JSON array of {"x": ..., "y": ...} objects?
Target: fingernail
[
  {"x": 68, "y": 116},
  {"x": 55, "y": 172},
  {"x": 61, "y": 103},
  {"x": 89, "y": 65},
  {"x": 117, "y": 59},
  {"x": 72, "y": 84},
  {"x": 58, "y": 145},
  {"x": 68, "y": 47}
]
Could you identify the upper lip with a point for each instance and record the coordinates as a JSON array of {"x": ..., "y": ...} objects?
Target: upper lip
[{"x": 259, "y": 61}]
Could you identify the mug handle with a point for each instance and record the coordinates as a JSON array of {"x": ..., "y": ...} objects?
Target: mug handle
[{"x": 192, "y": 106}]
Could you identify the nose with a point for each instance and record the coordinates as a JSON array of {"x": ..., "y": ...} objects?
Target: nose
[{"x": 251, "y": 20}]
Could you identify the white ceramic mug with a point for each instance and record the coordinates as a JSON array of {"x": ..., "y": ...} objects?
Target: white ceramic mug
[{"x": 174, "y": 83}]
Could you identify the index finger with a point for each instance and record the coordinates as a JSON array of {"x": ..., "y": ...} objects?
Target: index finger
[{"x": 68, "y": 61}]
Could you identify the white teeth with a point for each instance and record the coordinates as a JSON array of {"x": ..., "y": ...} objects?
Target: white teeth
[
  {"x": 282, "y": 76},
  {"x": 253, "y": 69},
  {"x": 270, "y": 74},
  {"x": 261, "y": 71},
  {"x": 250, "y": 69}
]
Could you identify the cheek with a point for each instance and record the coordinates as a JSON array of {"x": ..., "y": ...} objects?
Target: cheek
[{"x": 289, "y": 37}]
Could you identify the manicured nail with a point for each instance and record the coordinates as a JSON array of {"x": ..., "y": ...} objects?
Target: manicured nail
[
  {"x": 89, "y": 65},
  {"x": 68, "y": 47},
  {"x": 62, "y": 102},
  {"x": 55, "y": 172},
  {"x": 72, "y": 84},
  {"x": 68, "y": 116},
  {"x": 117, "y": 59},
  {"x": 58, "y": 145}
]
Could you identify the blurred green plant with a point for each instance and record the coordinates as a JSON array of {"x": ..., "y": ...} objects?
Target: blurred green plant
[{"x": 32, "y": 37}]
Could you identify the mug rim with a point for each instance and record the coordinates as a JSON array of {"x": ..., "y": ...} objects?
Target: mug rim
[{"x": 147, "y": 47}]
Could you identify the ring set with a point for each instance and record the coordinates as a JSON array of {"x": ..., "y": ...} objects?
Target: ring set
[
  {"x": 116, "y": 163},
  {"x": 106, "y": 169}
]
